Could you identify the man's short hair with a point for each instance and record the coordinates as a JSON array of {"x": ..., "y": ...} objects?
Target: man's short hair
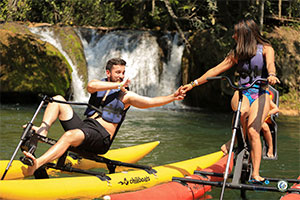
[{"x": 114, "y": 61}]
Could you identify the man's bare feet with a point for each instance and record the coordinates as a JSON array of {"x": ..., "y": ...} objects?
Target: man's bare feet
[
  {"x": 30, "y": 169},
  {"x": 42, "y": 130},
  {"x": 225, "y": 147}
]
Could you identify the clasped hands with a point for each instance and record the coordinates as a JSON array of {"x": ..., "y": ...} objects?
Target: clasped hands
[
  {"x": 181, "y": 91},
  {"x": 179, "y": 94}
]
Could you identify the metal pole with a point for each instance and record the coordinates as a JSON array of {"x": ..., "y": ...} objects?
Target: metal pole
[
  {"x": 235, "y": 127},
  {"x": 28, "y": 127}
]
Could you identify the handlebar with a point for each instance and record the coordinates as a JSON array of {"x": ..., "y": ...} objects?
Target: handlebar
[
  {"x": 234, "y": 86},
  {"x": 50, "y": 100}
]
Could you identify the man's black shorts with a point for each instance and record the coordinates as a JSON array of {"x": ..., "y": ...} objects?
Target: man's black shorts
[{"x": 96, "y": 140}]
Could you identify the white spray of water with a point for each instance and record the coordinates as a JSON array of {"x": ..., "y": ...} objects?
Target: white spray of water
[
  {"x": 138, "y": 48},
  {"x": 141, "y": 52},
  {"x": 171, "y": 75},
  {"x": 47, "y": 35}
]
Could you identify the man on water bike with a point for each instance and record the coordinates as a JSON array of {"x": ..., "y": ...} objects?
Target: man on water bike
[{"x": 95, "y": 133}]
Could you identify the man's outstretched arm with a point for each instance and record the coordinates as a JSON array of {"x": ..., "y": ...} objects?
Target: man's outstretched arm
[{"x": 148, "y": 102}]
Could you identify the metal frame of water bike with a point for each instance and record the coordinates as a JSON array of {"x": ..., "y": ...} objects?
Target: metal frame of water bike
[
  {"x": 29, "y": 140},
  {"x": 243, "y": 165}
]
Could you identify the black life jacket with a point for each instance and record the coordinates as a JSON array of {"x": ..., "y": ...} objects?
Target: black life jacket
[{"x": 111, "y": 106}]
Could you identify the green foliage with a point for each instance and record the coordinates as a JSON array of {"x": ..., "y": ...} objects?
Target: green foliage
[
  {"x": 17, "y": 12},
  {"x": 294, "y": 10},
  {"x": 91, "y": 12},
  {"x": 3, "y": 11},
  {"x": 190, "y": 14},
  {"x": 290, "y": 100}
]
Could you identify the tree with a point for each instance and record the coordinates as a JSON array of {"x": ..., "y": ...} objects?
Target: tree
[
  {"x": 279, "y": 8},
  {"x": 174, "y": 17},
  {"x": 261, "y": 17},
  {"x": 177, "y": 15}
]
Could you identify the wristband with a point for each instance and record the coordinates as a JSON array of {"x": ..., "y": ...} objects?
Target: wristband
[
  {"x": 193, "y": 83},
  {"x": 272, "y": 74},
  {"x": 196, "y": 82},
  {"x": 120, "y": 86}
]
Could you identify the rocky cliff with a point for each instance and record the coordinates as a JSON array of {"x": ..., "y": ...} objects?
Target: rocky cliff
[{"x": 30, "y": 66}]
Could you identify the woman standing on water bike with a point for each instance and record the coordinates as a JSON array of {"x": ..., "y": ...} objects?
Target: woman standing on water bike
[{"x": 254, "y": 57}]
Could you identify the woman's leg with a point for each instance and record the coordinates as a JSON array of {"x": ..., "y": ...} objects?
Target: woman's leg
[
  {"x": 244, "y": 114},
  {"x": 245, "y": 108},
  {"x": 258, "y": 113}
]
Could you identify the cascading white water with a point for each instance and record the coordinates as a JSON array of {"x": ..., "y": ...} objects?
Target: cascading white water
[
  {"x": 171, "y": 75},
  {"x": 47, "y": 35},
  {"x": 139, "y": 49},
  {"x": 141, "y": 52}
]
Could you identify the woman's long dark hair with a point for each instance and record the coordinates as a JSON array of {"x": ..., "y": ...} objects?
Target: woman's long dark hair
[{"x": 248, "y": 36}]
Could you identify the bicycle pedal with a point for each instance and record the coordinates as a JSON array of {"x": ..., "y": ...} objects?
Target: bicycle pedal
[{"x": 26, "y": 161}]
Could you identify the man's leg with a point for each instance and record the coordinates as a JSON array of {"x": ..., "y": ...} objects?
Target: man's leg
[
  {"x": 53, "y": 111},
  {"x": 70, "y": 138}
]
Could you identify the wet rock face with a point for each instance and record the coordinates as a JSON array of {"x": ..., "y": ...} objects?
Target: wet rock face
[{"x": 29, "y": 67}]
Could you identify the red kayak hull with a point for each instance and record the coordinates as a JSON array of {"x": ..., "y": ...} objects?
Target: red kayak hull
[
  {"x": 177, "y": 191},
  {"x": 292, "y": 196}
]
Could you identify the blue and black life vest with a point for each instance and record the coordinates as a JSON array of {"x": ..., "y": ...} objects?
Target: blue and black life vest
[{"x": 112, "y": 107}]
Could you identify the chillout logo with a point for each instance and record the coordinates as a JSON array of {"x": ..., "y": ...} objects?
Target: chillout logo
[{"x": 134, "y": 180}]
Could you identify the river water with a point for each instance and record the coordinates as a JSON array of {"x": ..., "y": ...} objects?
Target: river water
[{"x": 183, "y": 135}]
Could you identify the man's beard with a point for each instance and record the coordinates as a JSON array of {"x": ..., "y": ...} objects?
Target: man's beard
[{"x": 116, "y": 79}]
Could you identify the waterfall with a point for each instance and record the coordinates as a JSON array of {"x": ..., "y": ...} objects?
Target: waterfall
[
  {"x": 154, "y": 69},
  {"x": 47, "y": 35},
  {"x": 171, "y": 75},
  {"x": 141, "y": 51}
]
